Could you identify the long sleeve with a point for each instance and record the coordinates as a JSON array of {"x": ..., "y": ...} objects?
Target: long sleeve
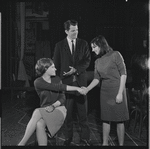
[
  {"x": 57, "y": 60},
  {"x": 120, "y": 63},
  {"x": 83, "y": 64},
  {"x": 80, "y": 61},
  {"x": 42, "y": 85},
  {"x": 61, "y": 97},
  {"x": 96, "y": 73},
  {"x": 49, "y": 93}
]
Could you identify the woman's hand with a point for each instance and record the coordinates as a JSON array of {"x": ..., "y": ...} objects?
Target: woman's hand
[
  {"x": 80, "y": 90},
  {"x": 119, "y": 98},
  {"x": 50, "y": 108},
  {"x": 85, "y": 90}
]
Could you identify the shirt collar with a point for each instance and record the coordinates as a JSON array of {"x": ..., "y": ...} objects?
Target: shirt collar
[{"x": 69, "y": 40}]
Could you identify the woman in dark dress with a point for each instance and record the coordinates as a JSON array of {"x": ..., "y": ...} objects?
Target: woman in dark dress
[
  {"x": 52, "y": 112},
  {"x": 110, "y": 72}
]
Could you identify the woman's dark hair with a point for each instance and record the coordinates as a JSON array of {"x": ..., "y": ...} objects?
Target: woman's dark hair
[
  {"x": 42, "y": 65},
  {"x": 101, "y": 42},
  {"x": 68, "y": 23}
]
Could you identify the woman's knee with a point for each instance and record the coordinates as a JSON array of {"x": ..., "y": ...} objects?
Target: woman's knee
[
  {"x": 36, "y": 113},
  {"x": 41, "y": 124}
]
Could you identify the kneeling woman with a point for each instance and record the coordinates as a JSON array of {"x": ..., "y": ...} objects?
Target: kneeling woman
[{"x": 52, "y": 112}]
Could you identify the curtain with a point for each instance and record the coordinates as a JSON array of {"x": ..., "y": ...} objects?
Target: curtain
[
  {"x": 21, "y": 70},
  {"x": 0, "y": 50}
]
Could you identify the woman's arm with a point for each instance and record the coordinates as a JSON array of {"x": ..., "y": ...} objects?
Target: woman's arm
[
  {"x": 73, "y": 88},
  {"x": 43, "y": 85},
  {"x": 119, "y": 96},
  {"x": 91, "y": 86},
  {"x": 122, "y": 70},
  {"x": 56, "y": 104},
  {"x": 62, "y": 96},
  {"x": 61, "y": 99},
  {"x": 52, "y": 107},
  {"x": 122, "y": 83}
]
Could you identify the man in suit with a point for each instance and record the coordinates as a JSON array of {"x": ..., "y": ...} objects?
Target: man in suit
[{"x": 71, "y": 58}]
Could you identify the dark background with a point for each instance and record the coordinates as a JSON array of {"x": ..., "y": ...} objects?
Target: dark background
[{"x": 124, "y": 24}]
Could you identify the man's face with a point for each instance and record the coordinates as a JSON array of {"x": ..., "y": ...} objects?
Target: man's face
[{"x": 73, "y": 32}]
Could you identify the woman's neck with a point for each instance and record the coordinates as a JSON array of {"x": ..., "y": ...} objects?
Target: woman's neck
[{"x": 47, "y": 78}]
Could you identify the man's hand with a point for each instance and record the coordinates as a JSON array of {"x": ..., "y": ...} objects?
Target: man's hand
[{"x": 72, "y": 71}]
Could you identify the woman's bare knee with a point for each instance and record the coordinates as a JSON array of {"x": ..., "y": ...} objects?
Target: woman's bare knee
[
  {"x": 36, "y": 113},
  {"x": 41, "y": 124}
]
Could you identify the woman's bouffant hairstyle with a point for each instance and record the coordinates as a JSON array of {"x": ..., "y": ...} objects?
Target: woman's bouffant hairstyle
[
  {"x": 101, "y": 42},
  {"x": 42, "y": 65}
]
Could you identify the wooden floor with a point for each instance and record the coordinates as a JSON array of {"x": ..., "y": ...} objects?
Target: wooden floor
[{"x": 16, "y": 114}]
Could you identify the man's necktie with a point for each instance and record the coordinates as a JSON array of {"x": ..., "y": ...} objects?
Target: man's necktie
[
  {"x": 72, "y": 47},
  {"x": 73, "y": 50}
]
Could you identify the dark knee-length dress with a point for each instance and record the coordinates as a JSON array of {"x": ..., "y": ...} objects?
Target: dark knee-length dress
[
  {"x": 109, "y": 69},
  {"x": 49, "y": 93}
]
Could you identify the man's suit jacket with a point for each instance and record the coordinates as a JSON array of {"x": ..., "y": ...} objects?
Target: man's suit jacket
[{"x": 63, "y": 59}]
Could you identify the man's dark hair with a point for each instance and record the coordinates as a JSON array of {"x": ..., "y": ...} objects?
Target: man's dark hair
[{"x": 68, "y": 23}]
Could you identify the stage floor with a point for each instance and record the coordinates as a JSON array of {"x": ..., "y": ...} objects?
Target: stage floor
[{"x": 15, "y": 116}]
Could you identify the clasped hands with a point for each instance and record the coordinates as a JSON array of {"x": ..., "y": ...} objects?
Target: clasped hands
[{"x": 83, "y": 90}]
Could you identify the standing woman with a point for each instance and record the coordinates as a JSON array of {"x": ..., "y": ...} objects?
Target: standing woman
[
  {"x": 110, "y": 71},
  {"x": 52, "y": 112}
]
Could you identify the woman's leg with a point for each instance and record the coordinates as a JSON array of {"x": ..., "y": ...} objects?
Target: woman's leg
[
  {"x": 120, "y": 133},
  {"x": 40, "y": 133},
  {"x": 106, "y": 130},
  {"x": 31, "y": 127}
]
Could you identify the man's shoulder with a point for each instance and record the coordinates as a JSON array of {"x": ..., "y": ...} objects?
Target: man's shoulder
[
  {"x": 61, "y": 42},
  {"x": 81, "y": 40}
]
